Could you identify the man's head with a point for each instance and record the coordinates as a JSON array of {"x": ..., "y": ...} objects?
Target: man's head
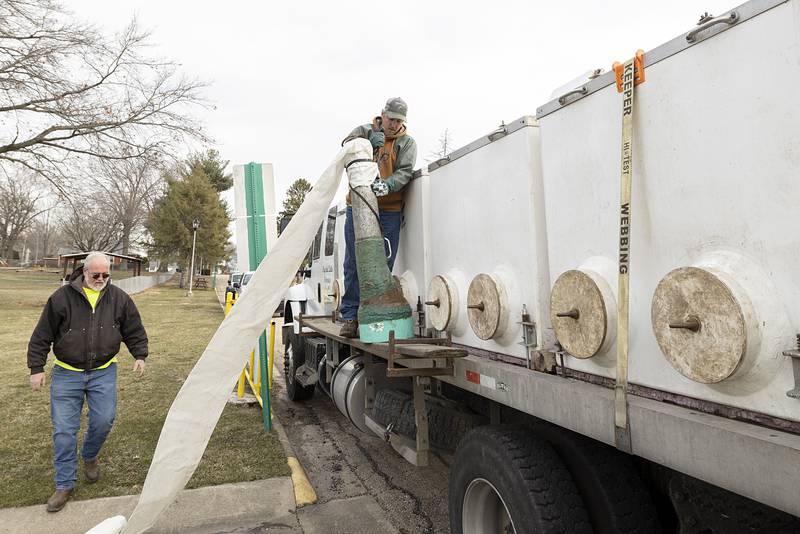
[
  {"x": 96, "y": 270},
  {"x": 394, "y": 115}
]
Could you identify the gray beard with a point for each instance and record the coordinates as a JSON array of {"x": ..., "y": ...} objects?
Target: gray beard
[{"x": 88, "y": 283}]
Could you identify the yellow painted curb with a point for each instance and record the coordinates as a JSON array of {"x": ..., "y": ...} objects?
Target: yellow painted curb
[{"x": 303, "y": 491}]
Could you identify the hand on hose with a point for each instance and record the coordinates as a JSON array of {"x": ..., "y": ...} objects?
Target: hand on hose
[
  {"x": 377, "y": 139},
  {"x": 379, "y": 187}
]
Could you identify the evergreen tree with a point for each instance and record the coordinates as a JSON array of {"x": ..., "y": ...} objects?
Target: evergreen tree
[
  {"x": 294, "y": 197},
  {"x": 170, "y": 222},
  {"x": 213, "y": 167}
]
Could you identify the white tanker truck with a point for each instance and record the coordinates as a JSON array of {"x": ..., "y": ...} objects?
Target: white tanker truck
[{"x": 600, "y": 359}]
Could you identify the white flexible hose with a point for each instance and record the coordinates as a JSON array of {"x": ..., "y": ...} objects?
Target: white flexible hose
[
  {"x": 198, "y": 405},
  {"x": 112, "y": 525},
  {"x": 362, "y": 173}
]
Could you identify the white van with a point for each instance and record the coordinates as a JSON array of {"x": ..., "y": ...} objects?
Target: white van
[{"x": 246, "y": 277}]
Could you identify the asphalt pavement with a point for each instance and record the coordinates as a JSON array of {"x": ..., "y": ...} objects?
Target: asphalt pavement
[{"x": 346, "y": 466}]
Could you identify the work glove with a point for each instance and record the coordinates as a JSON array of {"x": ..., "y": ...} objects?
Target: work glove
[
  {"x": 377, "y": 139},
  {"x": 379, "y": 187}
]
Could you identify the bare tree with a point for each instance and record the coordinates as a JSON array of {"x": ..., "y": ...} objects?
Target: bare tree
[
  {"x": 43, "y": 234},
  {"x": 130, "y": 188},
  {"x": 444, "y": 146},
  {"x": 19, "y": 207},
  {"x": 68, "y": 92},
  {"x": 93, "y": 227}
]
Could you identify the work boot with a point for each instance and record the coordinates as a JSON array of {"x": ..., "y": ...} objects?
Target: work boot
[
  {"x": 91, "y": 470},
  {"x": 349, "y": 328},
  {"x": 57, "y": 501}
]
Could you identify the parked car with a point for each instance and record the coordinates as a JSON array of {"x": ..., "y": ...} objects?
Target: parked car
[
  {"x": 229, "y": 288},
  {"x": 246, "y": 277},
  {"x": 236, "y": 280}
]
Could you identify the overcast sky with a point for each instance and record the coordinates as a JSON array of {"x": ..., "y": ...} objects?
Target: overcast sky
[{"x": 290, "y": 79}]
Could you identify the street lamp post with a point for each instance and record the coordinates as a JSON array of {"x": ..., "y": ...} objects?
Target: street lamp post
[{"x": 195, "y": 226}]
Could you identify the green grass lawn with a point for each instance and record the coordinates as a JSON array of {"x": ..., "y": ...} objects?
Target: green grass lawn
[{"x": 179, "y": 329}]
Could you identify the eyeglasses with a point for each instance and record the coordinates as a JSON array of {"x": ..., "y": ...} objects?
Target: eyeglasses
[{"x": 96, "y": 276}]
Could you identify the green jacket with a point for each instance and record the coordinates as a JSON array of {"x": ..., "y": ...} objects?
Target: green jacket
[{"x": 405, "y": 149}]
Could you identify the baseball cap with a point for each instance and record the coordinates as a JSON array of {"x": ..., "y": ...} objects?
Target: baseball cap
[{"x": 396, "y": 108}]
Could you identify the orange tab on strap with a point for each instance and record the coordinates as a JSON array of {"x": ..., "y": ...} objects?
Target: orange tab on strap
[{"x": 638, "y": 70}]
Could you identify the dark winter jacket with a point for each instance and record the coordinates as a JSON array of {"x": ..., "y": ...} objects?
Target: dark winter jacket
[{"x": 82, "y": 337}]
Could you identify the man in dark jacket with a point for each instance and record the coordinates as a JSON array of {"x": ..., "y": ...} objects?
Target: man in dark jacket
[{"x": 84, "y": 321}]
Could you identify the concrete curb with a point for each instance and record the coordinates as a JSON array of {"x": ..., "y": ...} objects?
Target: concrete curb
[
  {"x": 304, "y": 493},
  {"x": 194, "y": 510}
]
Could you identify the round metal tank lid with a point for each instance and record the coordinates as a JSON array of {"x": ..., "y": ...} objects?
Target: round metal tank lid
[
  {"x": 486, "y": 306},
  {"x": 441, "y": 302},
  {"x": 578, "y": 314},
  {"x": 336, "y": 295},
  {"x": 699, "y": 325}
]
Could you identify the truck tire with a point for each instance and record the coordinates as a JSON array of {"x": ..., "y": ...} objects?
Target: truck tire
[
  {"x": 294, "y": 357},
  {"x": 446, "y": 425},
  {"x": 396, "y": 408},
  {"x": 506, "y": 480},
  {"x": 615, "y": 496}
]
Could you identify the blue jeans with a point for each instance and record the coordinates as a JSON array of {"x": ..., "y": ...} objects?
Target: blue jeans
[
  {"x": 390, "y": 221},
  {"x": 67, "y": 391}
]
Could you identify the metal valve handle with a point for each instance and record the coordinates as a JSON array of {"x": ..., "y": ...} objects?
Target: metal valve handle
[
  {"x": 387, "y": 433},
  {"x": 729, "y": 19},
  {"x": 574, "y": 313},
  {"x": 692, "y": 323}
]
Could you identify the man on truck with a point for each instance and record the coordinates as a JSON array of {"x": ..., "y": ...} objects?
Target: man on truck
[{"x": 395, "y": 152}]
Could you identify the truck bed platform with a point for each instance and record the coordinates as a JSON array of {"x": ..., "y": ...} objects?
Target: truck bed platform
[{"x": 418, "y": 348}]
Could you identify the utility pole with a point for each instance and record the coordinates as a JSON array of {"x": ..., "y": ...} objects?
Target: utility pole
[{"x": 195, "y": 226}]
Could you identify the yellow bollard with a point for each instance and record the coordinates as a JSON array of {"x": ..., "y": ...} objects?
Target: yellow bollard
[
  {"x": 230, "y": 300},
  {"x": 271, "y": 351},
  {"x": 240, "y": 385},
  {"x": 252, "y": 366},
  {"x": 255, "y": 374}
]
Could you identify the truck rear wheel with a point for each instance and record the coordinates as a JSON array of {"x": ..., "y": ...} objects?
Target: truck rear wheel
[
  {"x": 616, "y": 498},
  {"x": 293, "y": 357},
  {"x": 506, "y": 480}
]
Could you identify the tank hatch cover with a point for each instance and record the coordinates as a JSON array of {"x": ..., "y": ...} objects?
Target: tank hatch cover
[
  {"x": 336, "y": 295},
  {"x": 442, "y": 302},
  {"x": 486, "y": 306},
  {"x": 699, "y": 324},
  {"x": 578, "y": 314}
]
